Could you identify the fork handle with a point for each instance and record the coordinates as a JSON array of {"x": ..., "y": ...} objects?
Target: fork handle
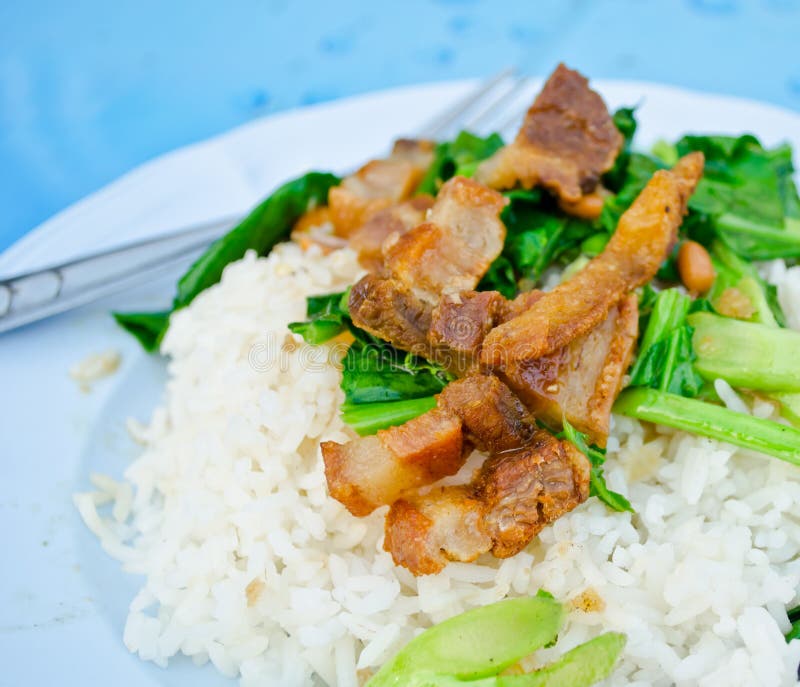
[{"x": 31, "y": 296}]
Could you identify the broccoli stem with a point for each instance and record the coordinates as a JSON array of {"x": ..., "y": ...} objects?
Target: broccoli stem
[
  {"x": 712, "y": 421},
  {"x": 746, "y": 354},
  {"x": 368, "y": 418}
]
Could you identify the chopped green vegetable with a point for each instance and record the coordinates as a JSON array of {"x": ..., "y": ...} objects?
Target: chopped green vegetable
[
  {"x": 459, "y": 156},
  {"x": 478, "y": 643},
  {"x": 368, "y": 418},
  {"x": 758, "y": 240},
  {"x": 665, "y": 351},
  {"x": 269, "y": 223},
  {"x": 794, "y": 619},
  {"x": 625, "y": 121},
  {"x": 500, "y": 277},
  {"x": 473, "y": 648},
  {"x": 746, "y": 197},
  {"x": 148, "y": 327},
  {"x": 746, "y": 354},
  {"x": 734, "y": 272},
  {"x": 597, "y": 457},
  {"x": 666, "y": 152},
  {"x": 383, "y": 385},
  {"x": 328, "y": 316},
  {"x": 712, "y": 421},
  {"x": 790, "y": 405},
  {"x": 376, "y": 373},
  {"x": 538, "y": 235},
  {"x": 585, "y": 665}
]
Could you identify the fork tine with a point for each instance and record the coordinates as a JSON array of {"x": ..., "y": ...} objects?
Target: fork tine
[
  {"x": 454, "y": 114},
  {"x": 513, "y": 120},
  {"x": 498, "y": 107}
]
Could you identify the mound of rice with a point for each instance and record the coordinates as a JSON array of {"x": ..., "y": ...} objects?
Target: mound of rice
[{"x": 250, "y": 565}]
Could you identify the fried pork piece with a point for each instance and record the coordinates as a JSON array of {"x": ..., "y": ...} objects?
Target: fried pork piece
[
  {"x": 451, "y": 333},
  {"x": 581, "y": 380},
  {"x": 367, "y": 240},
  {"x": 524, "y": 490},
  {"x": 378, "y": 184},
  {"x": 641, "y": 242},
  {"x": 494, "y": 418},
  {"x": 514, "y": 496},
  {"x": 371, "y": 471},
  {"x": 374, "y": 470},
  {"x": 427, "y": 532},
  {"x": 566, "y": 142},
  {"x": 388, "y": 310},
  {"x": 452, "y": 250},
  {"x": 459, "y": 324}
]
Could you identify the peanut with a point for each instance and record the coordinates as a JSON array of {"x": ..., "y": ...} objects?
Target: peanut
[{"x": 695, "y": 268}]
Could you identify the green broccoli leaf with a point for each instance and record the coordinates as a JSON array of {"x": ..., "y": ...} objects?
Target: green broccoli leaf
[
  {"x": 597, "y": 457},
  {"x": 148, "y": 327},
  {"x": 747, "y": 197},
  {"x": 327, "y": 317},
  {"x": 459, "y": 156}
]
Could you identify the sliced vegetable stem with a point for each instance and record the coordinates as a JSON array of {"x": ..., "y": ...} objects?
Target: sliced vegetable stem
[
  {"x": 368, "y": 418},
  {"x": 746, "y": 354},
  {"x": 715, "y": 422}
]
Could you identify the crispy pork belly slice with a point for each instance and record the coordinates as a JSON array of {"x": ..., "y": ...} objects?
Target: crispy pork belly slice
[
  {"x": 451, "y": 333},
  {"x": 524, "y": 490},
  {"x": 566, "y": 142},
  {"x": 371, "y": 471},
  {"x": 426, "y": 533},
  {"x": 494, "y": 418},
  {"x": 581, "y": 380},
  {"x": 520, "y": 304},
  {"x": 452, "y": 250},
  {"x": 515, "y": 495},
  {"x": 367, "y": 240},
  {"x": 378, "y": 184},
  {"x": 459, "y": 324},
  {"x": 388, "y": 310},
  {"x": 642, "y": 241}
]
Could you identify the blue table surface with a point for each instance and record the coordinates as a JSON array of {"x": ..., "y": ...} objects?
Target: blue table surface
[{"x": 89, "y": 90}]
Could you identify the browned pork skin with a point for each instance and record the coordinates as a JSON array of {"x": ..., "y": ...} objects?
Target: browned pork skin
[
  {"x": 566, "y": 142},
  {"x": 372, "y": 471},
  {"x": 378, "y": 184},
  {"x": 494, "y": 419},
  {"x": 514, "y": 496},
  {"x": 367, "y": 240},
  {"x": 433, "y": 261},
  {"x": 581, "y": 380},
  {"x": 641, "y": 242},
  {"x": 451, "y": 251}
]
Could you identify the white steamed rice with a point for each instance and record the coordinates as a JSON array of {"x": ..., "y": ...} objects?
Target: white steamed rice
[{"x": 250, "y": 565}]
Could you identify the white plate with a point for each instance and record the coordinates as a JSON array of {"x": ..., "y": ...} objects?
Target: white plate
[{"x": 62, "y": 600}]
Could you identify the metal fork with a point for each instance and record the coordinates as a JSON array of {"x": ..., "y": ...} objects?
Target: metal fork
[{"x": 32, "y": 296}]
